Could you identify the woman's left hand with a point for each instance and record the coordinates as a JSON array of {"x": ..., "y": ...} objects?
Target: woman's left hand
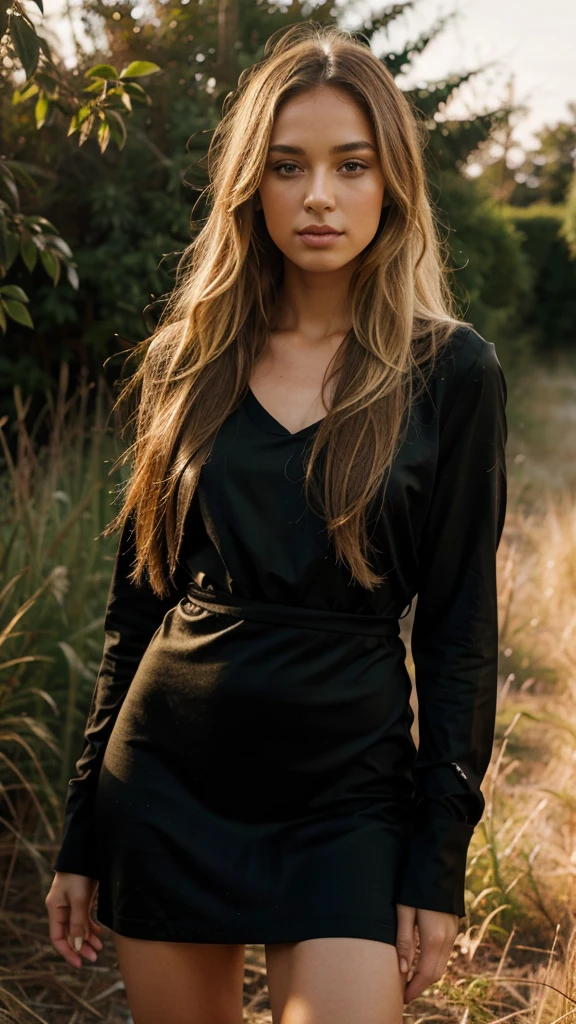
[{"x": 437, "y": 932}]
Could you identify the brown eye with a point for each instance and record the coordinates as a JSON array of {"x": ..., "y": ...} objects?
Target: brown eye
[
  {"x": 286, "y": 163},
  {"x": 357, "y": 164}
]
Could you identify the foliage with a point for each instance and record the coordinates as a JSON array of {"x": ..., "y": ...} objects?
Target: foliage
[
  {"x": 549, "y": 308},
  {"x": 490, "y": 273},
  {"x": 113, "y": 92},
  {"x": 54, "y": 576},
  {"x": 126, "y": 214},
  {"x": 569, "y": 226},
  {"x": 547, "y": 171},
  {"x": 50, "y": 88}
]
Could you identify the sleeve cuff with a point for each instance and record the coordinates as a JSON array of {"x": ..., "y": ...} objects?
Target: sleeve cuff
[
  {"x": 79, "y": 850},
  {"x": 434, "y": 874}
]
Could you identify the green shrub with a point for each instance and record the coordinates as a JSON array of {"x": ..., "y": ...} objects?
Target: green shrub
[
  {"x": 569, "y": 225},
  {"x": 550, "y": 307},
  {"x": 490, "y": 276}
]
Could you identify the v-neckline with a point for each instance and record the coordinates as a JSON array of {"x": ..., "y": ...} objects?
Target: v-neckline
[{"x": 264, "y": 419}]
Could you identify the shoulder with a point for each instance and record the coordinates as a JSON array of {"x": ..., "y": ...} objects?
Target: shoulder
[
  {"x": 464, "y": 370},
  {"x": 465, "y": 352}
]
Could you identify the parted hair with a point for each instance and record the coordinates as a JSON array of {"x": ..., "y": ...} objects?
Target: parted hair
[{"x": 195, "y": 368}]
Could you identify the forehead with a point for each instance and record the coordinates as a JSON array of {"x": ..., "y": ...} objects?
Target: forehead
[{"x": 321, "y": 117}]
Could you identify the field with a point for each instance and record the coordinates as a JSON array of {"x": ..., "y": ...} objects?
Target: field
[{"x": 515, "y": 960}]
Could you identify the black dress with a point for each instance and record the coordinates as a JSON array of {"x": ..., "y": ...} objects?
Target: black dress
[{"x": 248, "y": 772}]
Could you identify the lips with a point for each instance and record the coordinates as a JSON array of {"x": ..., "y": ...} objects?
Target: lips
[{"x": 319, "y": 231}]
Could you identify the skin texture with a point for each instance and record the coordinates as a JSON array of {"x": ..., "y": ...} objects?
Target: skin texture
[
  {"x": 345, "y": 191},
  {"x": 323, "y": 980}
]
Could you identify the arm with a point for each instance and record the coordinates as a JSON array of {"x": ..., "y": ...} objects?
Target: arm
[
  {"x": 455, "y": 638},
  {"x": 132, "y": 616}
]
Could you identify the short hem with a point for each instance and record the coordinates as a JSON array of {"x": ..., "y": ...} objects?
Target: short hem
[{"x": 328, "y": 926}]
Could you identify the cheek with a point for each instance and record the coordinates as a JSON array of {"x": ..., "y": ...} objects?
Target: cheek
[
  {"x": 281, "y": 207},
  {"x": 364, "y": 207}
]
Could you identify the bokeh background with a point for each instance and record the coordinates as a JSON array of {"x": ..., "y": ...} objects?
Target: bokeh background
[{"x": 106, "y": 110}]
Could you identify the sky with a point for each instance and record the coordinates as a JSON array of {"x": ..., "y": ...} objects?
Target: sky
[{"x": 534, "y": 41}]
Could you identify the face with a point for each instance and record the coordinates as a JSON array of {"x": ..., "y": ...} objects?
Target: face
[{"x": 322, "y": 169}]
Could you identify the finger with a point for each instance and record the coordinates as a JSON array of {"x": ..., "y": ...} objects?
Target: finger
[
  {"x": 93, "y": 938},
  {"x": 405, "y": 937},
  {"x": 62, "y": 947},
  {"x": 83, "y": 947},
  {"x": 58, "y": 922},
  {"x": 430, "y": 968}
]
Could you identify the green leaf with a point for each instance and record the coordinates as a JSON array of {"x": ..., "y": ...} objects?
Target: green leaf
[
  {"x": 56, "y": 242},
  {"x": 72, "y": 275},
  {"x": 103, "y": 135},
  {"x": 47, "y": 81},
  {"x": 41, "y": 222},
  {"x": 8, "y": 186},
  {"x": 102, "y": 71},
  {"x": 126, "y": 100},
  {"x": 28, "y": 251},
  {"x": 96, "y": 86},
  {"x": 26, "y": 44},
  {"x": 135, "y": 89},
  {"x": 18, "y": 312},
  {"x": 3, "y": 244},
  {"x": 13, "y": 291},
  {"x": 12, "y": 248},
  {"x": 86, "y": 128},
  {"x": 21, "y": 97},
  {"x": 73, "y": 126},
  {"x": 120, "y": 121},
  {"x": 45, "y": 48},
  {"x": 83, "y": 113},
  {"x": 138, "y": 68},
  {"x": 41, "y": 109},
  {"x": 21, "y": 175},
  {"x": 51, "y": 265}
]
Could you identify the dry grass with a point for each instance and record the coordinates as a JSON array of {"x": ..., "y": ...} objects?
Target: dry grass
[{"x": 515, "y": 959}]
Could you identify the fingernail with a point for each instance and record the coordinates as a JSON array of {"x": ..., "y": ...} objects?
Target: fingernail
[
  {"x": 78, "y": 943},
  {"x": 403, "y": 965}
]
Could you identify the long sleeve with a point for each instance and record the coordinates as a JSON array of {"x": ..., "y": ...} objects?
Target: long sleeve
[
  {"x": 455, "y": 637},
  {"x": 133, "y": 613}
]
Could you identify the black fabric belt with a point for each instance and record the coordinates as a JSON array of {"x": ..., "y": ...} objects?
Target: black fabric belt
[{"x": 223, "y": 603}]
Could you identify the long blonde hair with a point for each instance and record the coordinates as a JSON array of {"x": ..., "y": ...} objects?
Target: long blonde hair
[{"x": 198, "y": 362}]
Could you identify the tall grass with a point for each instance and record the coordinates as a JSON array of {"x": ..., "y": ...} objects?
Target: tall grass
[
  {"x": 54, "y": 574},
  {"x": 515, "y": 958}
]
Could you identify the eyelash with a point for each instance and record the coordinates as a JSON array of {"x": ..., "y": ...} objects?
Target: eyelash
[{"x": 290, "y": 163}]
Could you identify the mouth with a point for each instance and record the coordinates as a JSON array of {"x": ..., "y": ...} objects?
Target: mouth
[
  {"x": 319, "y": 238},
  {"x": 319, "y": 231}
]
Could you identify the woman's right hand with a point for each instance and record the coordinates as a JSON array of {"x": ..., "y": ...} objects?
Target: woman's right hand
[{"x": 68, "y": 902}]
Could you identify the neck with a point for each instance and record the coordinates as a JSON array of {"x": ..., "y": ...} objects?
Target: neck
[{"x": 314, "y": 305}]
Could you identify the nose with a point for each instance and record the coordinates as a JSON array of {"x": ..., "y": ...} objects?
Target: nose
[{"x": 320, "y": 195}]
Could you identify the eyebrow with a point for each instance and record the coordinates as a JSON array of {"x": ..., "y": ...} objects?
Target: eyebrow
[{"x": 345, "y": 147}]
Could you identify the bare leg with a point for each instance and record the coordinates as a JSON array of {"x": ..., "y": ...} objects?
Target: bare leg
[
  {"x": 335, "y": 981},
  {"x": 181, "y": 982}
]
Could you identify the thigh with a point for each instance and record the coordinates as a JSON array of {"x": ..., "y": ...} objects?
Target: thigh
[
  {"x": 181, "y": 982},
  {"x": 335, "y": 981}
]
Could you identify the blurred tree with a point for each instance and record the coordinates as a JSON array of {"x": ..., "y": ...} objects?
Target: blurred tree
[
  {"x": 546, "y": 175},
  {"x": 127, "y": 213},
  {"x": 569, "y": 225},
  {"x": 34, "y": 238},
  {"x": 549, "y": 311}
]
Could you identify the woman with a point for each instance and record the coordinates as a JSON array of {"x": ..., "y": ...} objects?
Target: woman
[{"x": 319, "y": 440}]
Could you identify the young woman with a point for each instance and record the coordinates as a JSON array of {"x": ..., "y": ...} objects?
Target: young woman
[{"x": 319, "y": 440}]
